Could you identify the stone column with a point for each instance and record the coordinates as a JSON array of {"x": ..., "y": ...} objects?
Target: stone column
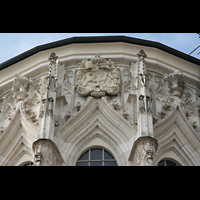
[
  {"x": 145, "y": 146},
  {"x": 144, "y": 110},
  {"x": 45, "y": 151},
  {"x": 47, "y": 111}
]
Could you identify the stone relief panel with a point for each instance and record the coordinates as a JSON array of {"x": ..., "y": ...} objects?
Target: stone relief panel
[
  {"x": 44, "y": 87},
  {"x": 36, "y": 87},
  {"x": 8, "y": 108},
  {"x": 170, "y": 91},
  {"x": 144, "y": 152},
  {"x": 46, "y": 153},
  {"x": 126, "y": 76},
  {"x": 26, "y": 96},
  {"x": 30, "y": 109},
  {"x": 97, "y": 77},
  {"x": 68, "y": 82},
  {"x": 21, "y": 87}
]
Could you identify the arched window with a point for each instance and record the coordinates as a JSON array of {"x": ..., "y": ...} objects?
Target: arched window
[
  {"x": 167, "y": 163},
  {"x": 28, "y": 164},
  {"x": 96, "y": 157}
]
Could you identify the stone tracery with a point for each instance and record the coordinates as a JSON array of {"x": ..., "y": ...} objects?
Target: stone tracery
[{"x": 97, "y": 78}]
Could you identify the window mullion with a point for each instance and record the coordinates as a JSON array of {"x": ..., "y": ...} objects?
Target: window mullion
[
  {"x": 102, "y": 157},
  {"x": 101, "y": 160},
  {"x": 89, "y": 158}
]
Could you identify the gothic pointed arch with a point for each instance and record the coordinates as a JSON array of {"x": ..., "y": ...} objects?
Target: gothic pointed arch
[
  {"x": 97, "y": 119},
  {"x": 177, "y": 135},
  {"x": 15, "y": 141}
]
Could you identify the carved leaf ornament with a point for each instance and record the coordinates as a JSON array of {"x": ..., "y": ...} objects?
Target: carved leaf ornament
[{"x": 97, "y": 77}]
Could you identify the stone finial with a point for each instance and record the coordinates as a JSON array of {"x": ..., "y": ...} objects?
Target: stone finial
[
  {"x": 52, "y": 76},
  {"x": 53, "y": 57},
  {"x": 142, "y": 54}
]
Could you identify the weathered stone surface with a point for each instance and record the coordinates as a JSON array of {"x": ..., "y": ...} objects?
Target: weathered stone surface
[
  {"x": 143, "y": 152},
  {"x": 122, "y": 101},
  {"x": 97, "y": 77},
  {"x": 46, "y": 153}
]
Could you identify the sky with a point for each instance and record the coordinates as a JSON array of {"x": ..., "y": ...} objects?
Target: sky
[{"x": 13, "y": 44}]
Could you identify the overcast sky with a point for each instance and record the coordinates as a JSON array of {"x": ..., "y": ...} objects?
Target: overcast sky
[{"x": 13, "y": 44}]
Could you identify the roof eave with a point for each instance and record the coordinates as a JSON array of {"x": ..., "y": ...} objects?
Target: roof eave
[{"x": 98, "y": 39}]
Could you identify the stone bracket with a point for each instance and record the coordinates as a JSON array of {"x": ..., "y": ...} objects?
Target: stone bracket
[
  {"x": 46, "y": 153},
  {"x": 143, "y": 151}
]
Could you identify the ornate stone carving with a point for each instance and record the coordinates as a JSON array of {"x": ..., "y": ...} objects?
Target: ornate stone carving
[
  {"x": 141, "y": 55},
  {"x": 68, "y": 83},
  {"x": 160, "y": 84},
  {"x": 115, "y": 104},
  {"x": 126, "y": 75},
  {"x": 149, "y": 110},
  {"x": 176, "y": 83},
  {"x": 20, "y": 87},
  {"x": 26, "y": 97},
  {"x": 68, "y": 115},
  {"x": 68, "y": 77},
  {"x": 46, "y": 153},
  {"x": 42, "y": 108},
  {"x": 187, "y": 105},
  {"x": 56, "y": 123},
  {"x": 194, "y": 124},
  {"x": 142, "y": 77},
  {"x": 52, "y": 76},
  {"x": 159, "y": 91},
  {"x": 27, "y": 109},
  {"x": 155, "y": 119},
  {"x": 142, "y": 80},
  {"x": 78, "y": 105},
  {"x": 125, "y": 114},
  {"x": 141, "y": 103},
  {"x": 46, "y": 128},
  {"x": 166, "y": 108},
  {"x": 97, "y": 77},
  {"x": 143, "y": 152},
  {"x": 50, "y": 108},
  {"x": 176, "y": 87}
]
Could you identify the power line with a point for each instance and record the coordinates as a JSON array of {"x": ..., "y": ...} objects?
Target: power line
[
  {"x": 197, "y": 47},
  {"x": 194, "y": 49}
]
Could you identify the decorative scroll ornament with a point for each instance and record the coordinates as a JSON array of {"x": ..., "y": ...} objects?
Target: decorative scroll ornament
[{"x": 97, "y": 77}]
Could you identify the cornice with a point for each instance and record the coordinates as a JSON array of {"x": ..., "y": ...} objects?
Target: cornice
[{"x": 98, "y": 39}]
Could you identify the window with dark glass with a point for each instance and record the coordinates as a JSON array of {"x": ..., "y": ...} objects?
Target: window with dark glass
[
  {"x": 28, "y": 164},
  {"x": 167, "y": 163},
  {"x": 96, "y": 157}
]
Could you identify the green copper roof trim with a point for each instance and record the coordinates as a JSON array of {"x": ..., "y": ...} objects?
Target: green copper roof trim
[{"x": 98, "y": 39}]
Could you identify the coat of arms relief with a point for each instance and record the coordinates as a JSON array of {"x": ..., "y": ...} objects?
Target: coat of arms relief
[{"x": 97, "y": 77}]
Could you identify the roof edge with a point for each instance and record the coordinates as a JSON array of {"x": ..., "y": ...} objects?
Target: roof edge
[{"x": 99, "y": 39}]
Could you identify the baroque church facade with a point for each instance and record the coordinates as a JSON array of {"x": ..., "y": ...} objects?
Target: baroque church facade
[{"x": 100, "y": 101}]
